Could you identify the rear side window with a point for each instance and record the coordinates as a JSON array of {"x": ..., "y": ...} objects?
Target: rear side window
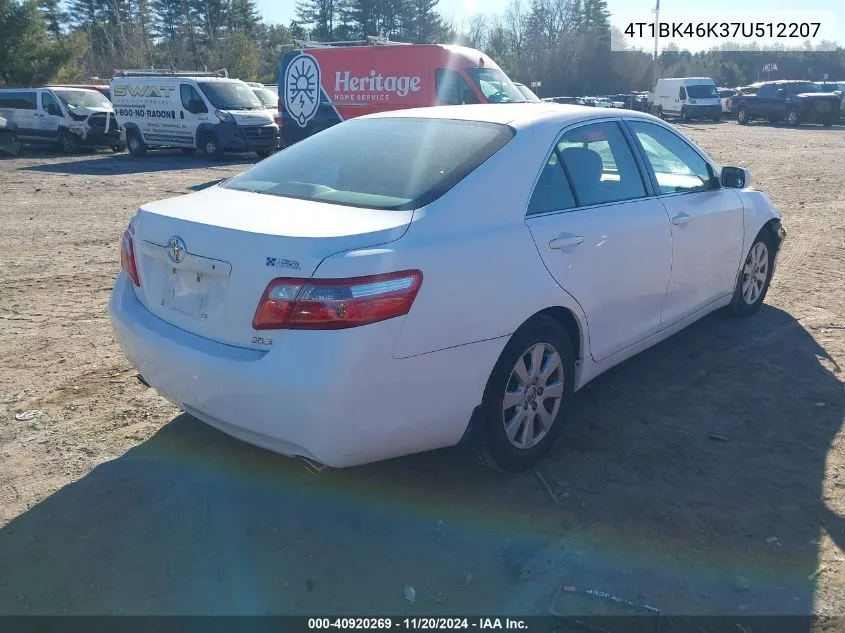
[
  {"x": 552, "y": 192},
  {"x": 452, "y": 88},
  {"x": 18, "y": 99},
  {"x": 381, "y": 163},
  {"x": 600, "y": 164}
]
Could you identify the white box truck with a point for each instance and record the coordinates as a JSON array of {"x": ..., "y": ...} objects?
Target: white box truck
[{"x": 191, "y": 110}]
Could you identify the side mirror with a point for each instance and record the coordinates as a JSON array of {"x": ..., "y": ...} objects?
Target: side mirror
[{"x": 735, "y": 177}]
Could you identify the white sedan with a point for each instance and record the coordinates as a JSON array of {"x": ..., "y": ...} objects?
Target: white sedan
[{"x": 409, "y": 280}]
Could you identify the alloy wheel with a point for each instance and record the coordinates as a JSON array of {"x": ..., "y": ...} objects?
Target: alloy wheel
[{"x": 755, "y": 272}]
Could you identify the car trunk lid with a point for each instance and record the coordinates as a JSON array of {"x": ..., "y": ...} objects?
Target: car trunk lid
[{"x": 204, "y": 259}]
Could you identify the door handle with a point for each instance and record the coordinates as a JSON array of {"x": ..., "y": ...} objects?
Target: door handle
[
  {"x": 681, "y": 219},
  {"x": 565, "y": 240}
]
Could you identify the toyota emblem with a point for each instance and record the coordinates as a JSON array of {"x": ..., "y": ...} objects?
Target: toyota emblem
[{"x": 176, "y": 249}]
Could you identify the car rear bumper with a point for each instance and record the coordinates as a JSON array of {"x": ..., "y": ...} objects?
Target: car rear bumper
[{"x": 338, "y": 397}]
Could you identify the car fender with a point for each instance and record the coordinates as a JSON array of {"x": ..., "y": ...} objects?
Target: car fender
[{"x": 758, "y": 211}]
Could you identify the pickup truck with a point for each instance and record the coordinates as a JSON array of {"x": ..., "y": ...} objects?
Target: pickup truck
[{"x": 795, "y": 102}]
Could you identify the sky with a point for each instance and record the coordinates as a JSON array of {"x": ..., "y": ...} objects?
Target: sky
[{"x": 830, "y": 12}]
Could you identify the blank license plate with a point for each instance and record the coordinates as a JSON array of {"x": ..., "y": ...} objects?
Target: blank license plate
[{"x": 187, "y": 292}]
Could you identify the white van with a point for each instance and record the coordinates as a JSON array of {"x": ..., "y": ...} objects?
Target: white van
[
  {"x": 191, "y": 110},
  {"x": 69, "y": 117},
  {"x": 687, "y": 98}
]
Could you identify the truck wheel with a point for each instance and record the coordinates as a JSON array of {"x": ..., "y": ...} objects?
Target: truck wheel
[
  {"x": 69, "y": 142},
  {"x": 135, "y": 144},
  {"x": 742, "y": 116},
  {"x": 792, "y": 118},
  {"x": 210, "y": 147},
  {"x": 684, "y": 115},
  {"x": 660, "y": 112}
]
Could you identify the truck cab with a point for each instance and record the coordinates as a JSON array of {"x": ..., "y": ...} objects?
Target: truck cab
[{"x": 321, "y": 85}]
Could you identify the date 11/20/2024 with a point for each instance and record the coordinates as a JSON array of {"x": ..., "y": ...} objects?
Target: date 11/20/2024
[
  {"x": 726, "y": 30},
  {"x": 419, "y": 624}
]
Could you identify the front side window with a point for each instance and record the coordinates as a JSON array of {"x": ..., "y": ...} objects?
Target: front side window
[
  {"x": 600, "y": 164},
  {"x": 682, "y": 94},
  {"x": 677, "y": 166},
  {"x": 452, "y": 88},
  {"x": 191, "y": 99},
  {"x": 50, "y": 105},
  {"x": 495, "y": 85},
  {"x": 383, "y": 163}
]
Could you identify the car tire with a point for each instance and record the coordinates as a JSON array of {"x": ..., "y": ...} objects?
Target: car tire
[
  {"x": 793, "y": 119},
  {"x": 68, "y": 142},
  {"x": 754, "y": 276},
  {"x": 539, "y": 348},
  {"x": 264, "y": 153},
  {"x": 135, "y": 144},
  {"x": 210, "y": 147},
  {"x": 742, "y": 116}
]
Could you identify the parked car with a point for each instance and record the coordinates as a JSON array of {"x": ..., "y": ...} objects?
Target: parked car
[
  {"x": 562, "y": 100},
  {"x": 836, "y": 87},
  {"x": 687, "y": 98},
  {"x": 726, "y": 95},
  {"x": 311, "y": 320},
  {"x": 603, "y": 102},
  {"x": 794, "y": 102},
  {"x": 322, "y": 84},
  {"x": 103, "y": 89},
  {"x": 67, "y": 117},
  {"x": 191, "y": 110},
  {"x": 527, "y": 93},
  {"x": 8, "y": 137}
]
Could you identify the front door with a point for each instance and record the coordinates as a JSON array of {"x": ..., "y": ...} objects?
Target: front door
[
  {"x": 601, "y": 237},
  {"x": 49, "y": 114},
  {"x": 706, "y": 220},
  {"x": 193, "y": 114}
]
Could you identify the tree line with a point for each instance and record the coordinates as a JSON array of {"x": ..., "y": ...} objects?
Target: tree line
[{"x": 563, "y": 44}]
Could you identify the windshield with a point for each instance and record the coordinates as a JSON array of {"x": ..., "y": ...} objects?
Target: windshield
[
  {"x": 83, "y": 98},
  {"x": 267, "y": 97},
  {"x": 495, "y": 85},
  {"x": 702, "y": 91},
  {"x": 389, "y": 163},
  {"x": 527, "y": 93},
  {"x": 230, "y": 95}
]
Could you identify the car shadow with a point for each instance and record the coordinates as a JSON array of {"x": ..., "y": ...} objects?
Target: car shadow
[
  {"x": 691, "y": 477},
  {"x": 124, "y": 164}
]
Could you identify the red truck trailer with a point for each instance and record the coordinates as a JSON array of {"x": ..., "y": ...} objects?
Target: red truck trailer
[{"x": 323, "y": 84}]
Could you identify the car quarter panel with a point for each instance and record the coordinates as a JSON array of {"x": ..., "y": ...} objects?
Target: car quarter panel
[{"x": 482, "y": 274}]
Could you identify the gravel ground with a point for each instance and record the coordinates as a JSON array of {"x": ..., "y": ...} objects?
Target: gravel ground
[{"x": 114, "y": 502}]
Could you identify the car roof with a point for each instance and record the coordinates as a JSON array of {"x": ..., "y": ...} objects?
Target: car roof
[{"x": 513, "y": 114}]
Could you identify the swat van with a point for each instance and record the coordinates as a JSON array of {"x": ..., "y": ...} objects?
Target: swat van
[
  {"x": 191, "y": 110},
  {"x": 322, "y": 84}
]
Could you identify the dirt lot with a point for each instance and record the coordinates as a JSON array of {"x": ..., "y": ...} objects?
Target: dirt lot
[{"x": 113, "y": 502}]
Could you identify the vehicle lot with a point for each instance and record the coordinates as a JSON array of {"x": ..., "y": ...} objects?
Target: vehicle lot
[{"x": 114, "y": 502}]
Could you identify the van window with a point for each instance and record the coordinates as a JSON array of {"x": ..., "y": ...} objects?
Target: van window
[
  {"x": 383, "y": 163},
  {"x": 495, "y": 85},
  {"x": 18, "y": 100},
  {"x": 191, "y": 99},
  {"x": 452, "y": 88},
  {"x": 50, "y": 105},
  {"x": 703, "y": 91},
  {"x": 83, "y": 98},
  {"x": 682, "y": 94},
  {"x": 230, "y": 95}
]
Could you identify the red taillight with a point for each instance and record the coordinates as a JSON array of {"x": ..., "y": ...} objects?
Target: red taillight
[
  {"x": 334, "y": 304},
  {"x": 127, "y": 257}
]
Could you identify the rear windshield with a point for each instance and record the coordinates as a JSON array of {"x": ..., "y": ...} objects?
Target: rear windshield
[
  {"x": 389, "y": 163},
  {"x": 702, "y": 91},
  {"x": 230, "y": 95}
]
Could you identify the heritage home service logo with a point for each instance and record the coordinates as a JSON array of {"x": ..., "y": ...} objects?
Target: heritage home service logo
[
  {"x": 302, "y": 88},
  {"x": 372, "y": 88}
]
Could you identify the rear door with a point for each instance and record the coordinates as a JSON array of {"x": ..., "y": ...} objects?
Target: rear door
[
  {"x": 601, "y": 236},
  {"x": 706, "y": 220}
]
